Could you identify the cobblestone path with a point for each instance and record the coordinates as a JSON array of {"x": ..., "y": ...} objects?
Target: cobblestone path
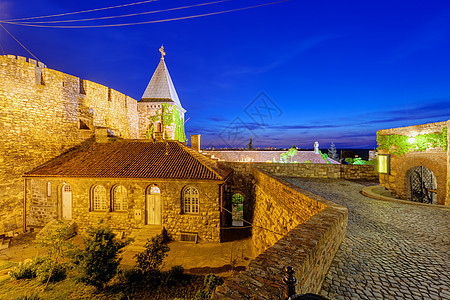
[{"x": 392, "y": 250}]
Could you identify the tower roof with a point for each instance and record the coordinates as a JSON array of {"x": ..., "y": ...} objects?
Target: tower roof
[{"x": 161, "y": 88}]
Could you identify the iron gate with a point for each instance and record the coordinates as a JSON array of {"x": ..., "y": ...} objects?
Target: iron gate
[{"x": 423, "y": 185}]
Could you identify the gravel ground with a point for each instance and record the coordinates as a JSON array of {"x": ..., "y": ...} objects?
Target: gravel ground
[{"x": 392, "y": 250}]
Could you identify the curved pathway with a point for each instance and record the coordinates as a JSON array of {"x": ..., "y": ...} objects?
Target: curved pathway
[{"x": 392, "y": 250}]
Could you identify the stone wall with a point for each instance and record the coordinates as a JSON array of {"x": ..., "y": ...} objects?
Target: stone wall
[
  {"x": 242, "y": 180},
  {"x": 278, "y": 209},
  {"x": 41, "y": 208},
  {"x": 313, "y": 230},
  {"x": 435, "y": 159},
  {"x": 40, "y": 114}
]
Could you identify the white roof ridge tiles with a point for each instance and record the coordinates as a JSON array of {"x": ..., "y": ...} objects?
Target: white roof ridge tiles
[{"x": 161, "y": 86}]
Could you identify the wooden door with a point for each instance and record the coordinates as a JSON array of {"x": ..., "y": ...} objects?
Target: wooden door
[
  {"x": 154, "y": 209},
  {"x": 66, "y": 202}
]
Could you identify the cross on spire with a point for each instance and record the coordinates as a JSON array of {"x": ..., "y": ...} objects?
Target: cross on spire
[{"x": 162, "y": 52}]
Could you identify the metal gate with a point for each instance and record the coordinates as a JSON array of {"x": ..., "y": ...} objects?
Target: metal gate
[{"x": 423, "y": 185}]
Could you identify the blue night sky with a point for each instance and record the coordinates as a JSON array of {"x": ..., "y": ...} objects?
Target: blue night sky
[{"x": 288, "y": 73}]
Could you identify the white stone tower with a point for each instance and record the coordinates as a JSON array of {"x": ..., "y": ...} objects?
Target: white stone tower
[{"x": 161, "y": 115}]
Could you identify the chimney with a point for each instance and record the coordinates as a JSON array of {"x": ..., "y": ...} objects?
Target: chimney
[
  {"x": 101, "y": 134},
  {"x": 195, "y": 142}
]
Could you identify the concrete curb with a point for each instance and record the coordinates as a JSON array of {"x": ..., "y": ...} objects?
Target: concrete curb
[{"x": 376, "y": 192}]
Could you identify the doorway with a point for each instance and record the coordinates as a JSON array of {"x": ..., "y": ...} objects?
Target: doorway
[
  {"x": 153, "y": 206},
  {"x": 422, "y": 185},
  {"x": 66, "y": 202}
]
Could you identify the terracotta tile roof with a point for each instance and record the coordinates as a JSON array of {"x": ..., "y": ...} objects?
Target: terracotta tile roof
[{"x": 132, "y": 159}]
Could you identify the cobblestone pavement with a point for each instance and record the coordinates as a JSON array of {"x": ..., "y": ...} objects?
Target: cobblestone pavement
[{"x": 392, "y": 250}]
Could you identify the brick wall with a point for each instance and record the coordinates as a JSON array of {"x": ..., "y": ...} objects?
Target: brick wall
[
  {"x": 313, "y": 230},
  {"x": 40, "y": 113},
  {"x": 435, "y": 159},
  {"x": 41, "y": 208}
]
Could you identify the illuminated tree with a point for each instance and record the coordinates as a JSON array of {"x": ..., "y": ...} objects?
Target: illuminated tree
[{"x": 332, "y": 152}]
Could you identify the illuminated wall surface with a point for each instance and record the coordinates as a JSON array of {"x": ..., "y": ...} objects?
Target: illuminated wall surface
[
  {"x": 46, "y": 112},
  {"x": 383, "y": 164},
  {"x": 412, "y": 146}
]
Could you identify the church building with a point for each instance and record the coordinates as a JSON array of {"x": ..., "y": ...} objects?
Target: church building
[{"x": 132, "y": 183}]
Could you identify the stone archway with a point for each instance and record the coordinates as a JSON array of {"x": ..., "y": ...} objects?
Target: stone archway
[
  {"x": 421, "y": 185},
  {"x": 410, "y": 160}
]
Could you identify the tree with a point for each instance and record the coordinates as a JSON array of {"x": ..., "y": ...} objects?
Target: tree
[
  {"x": 332, "y": 152},
  {"x": 250, "y": 144},
  {"x": 98, "y": 261},
  {"x": 152, "y": 257}
]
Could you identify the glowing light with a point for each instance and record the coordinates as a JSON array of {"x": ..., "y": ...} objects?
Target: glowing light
[
  {"x": 384, "y": 163},
  {"x": 411, "y": 140}
]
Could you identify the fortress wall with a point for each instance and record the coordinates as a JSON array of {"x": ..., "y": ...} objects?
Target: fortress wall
[
  {"x": 39, "y": 119},
  {"x": 312, "y": 229},
  {"x": 352, "y": 172},
  {"x": 111, "y": 108}
]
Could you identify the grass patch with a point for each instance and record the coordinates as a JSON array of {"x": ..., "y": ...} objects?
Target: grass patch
[{"x": 185, "y": 288}]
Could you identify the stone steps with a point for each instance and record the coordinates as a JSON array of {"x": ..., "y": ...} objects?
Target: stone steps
[{"x": 140, "y": 236}]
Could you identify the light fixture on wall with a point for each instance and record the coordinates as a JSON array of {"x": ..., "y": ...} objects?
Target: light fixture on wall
[{"x": 384, "y": 163}]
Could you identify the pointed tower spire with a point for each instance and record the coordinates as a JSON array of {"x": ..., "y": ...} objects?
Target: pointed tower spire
[{"x": 161, "y": 88}]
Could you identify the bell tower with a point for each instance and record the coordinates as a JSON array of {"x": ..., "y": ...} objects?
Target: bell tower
[{"x": 161, "y": 116}]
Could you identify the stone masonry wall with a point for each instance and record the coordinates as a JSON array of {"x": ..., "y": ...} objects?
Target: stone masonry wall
[
  {"x": 435, "y": 159},
  {"x": 242, "y": 180},
  {"x": 41, "y": 208},
  {"x": 40, "y": 111},
  {"x": 278, "y": 209},
  {"x": 309, "y": 246},
  {"x": 357, "y": 172}
]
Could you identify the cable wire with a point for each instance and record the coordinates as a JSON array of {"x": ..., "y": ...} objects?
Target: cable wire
[
  {"x": 145, "y": 22},
  {"x": 83, "y": 11},
  {"x": 20, "y": 43},
  {"x": 126, "y": 15}
]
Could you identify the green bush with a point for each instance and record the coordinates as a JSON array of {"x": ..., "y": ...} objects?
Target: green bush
[
  {"x": 174, "y": 276},
  {"x": 210, "y": 283},
  {"x": 50, "y": 271},
  {"x": 27, "y": 269},
  {"x": 152, "y": 257},
  {"x": 98, "y": 261}
]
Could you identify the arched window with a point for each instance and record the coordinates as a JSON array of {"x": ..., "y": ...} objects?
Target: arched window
[
  {"x": 99, "y": 198},
  {"x": 119, "y": 198},
  {"x": 153, "y": 190},
  {"x": 190, "y": 200}
]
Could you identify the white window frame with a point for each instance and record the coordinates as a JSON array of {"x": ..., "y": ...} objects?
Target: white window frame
[
  {"x": 99, "y": 202},
  {"x": 191, "y": 200},
  {"x": 119, "y": 198}
]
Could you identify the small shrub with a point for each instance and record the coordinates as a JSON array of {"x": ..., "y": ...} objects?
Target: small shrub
[
  {"x": 210, "y": 283},
  {"x": 173, "y": 276},
  {"x": 152, "y": 257},
  {"x": 27, "y": 269},
  {"x": 165, "y": 236},
  {"x": 50, "y": 271},
  {"x": 98, "y": 261},
  {"x": 201, "y": 294}
]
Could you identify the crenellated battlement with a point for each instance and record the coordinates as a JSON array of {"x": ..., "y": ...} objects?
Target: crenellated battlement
[{"x": 24, "y": 59}]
